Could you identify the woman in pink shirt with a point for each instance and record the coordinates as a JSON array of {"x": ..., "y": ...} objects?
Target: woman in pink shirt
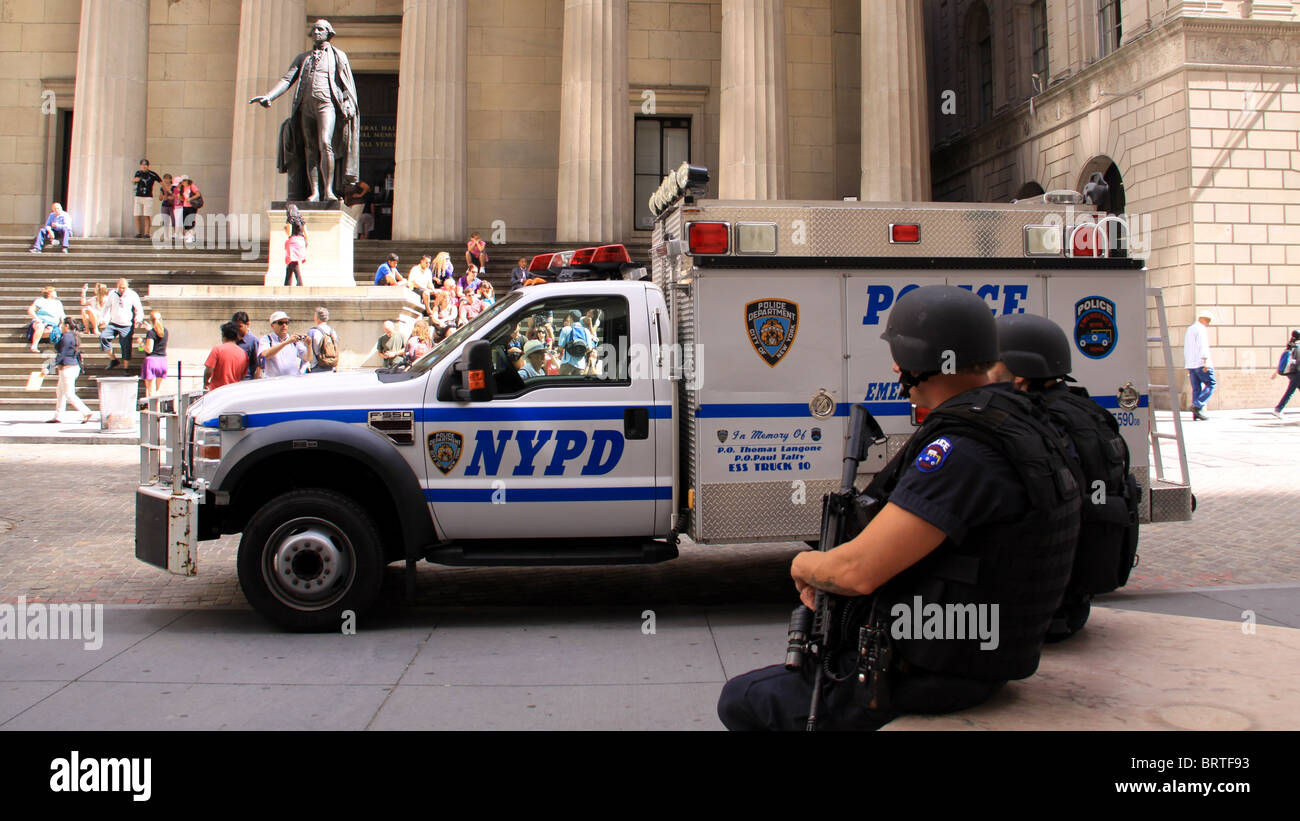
[{"x": 295, "y": 245}]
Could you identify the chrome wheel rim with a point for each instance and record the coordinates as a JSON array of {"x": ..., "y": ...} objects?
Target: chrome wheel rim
[{"x": 308, "y": 563}]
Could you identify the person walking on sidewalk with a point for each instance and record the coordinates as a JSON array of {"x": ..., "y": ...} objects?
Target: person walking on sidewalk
[
  {"x": 1200, "y": 367},
  {"x": 1289, "y": 366},
  {"x": 68, "y": 361}
]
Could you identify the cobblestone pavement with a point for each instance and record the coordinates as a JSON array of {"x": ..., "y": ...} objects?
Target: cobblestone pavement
[{"x": 67, "y": 530}]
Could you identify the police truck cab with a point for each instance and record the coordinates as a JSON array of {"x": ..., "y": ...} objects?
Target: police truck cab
[{"x": 706, "y": 396}]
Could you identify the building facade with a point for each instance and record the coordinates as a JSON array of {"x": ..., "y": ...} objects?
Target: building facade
[
  {"x": 1189, "y": 109},
  {"x": 538, "y": 119},
  {"x": 553, "y": 120}
]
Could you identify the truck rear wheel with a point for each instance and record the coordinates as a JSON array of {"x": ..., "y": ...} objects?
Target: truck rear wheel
[{"x": 307, "y": 557}]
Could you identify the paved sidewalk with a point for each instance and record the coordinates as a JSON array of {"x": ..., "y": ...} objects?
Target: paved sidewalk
[{"x": 568, "y": 647}]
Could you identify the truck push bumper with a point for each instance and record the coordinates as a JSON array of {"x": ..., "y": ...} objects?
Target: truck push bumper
[{"x": 167, "y": 528}]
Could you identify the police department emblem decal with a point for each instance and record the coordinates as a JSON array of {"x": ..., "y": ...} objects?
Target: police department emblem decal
[
  {"x": 1095, "y": 330},
  {"x": 772, "y": 325},
  {"x": 444, "y": 449},
  {"x": 934, "y": 455},
  {"x": 816, "y": 434},
  {"x": 722, "y": 436}
]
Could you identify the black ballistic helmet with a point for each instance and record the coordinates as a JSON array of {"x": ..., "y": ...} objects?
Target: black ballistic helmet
[
  {"x": 927, "y": 322},
  {"x": 1033, "y": 347}
]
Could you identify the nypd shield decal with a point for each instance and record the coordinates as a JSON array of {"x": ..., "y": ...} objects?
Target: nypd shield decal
[
  {"x": 445, "y": 447},
  {"x": 1095, "y": 329},
  {"x": 772, "y": 325}
]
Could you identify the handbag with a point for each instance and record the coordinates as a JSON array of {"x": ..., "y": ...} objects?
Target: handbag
[{"x": 197, "y": 202}]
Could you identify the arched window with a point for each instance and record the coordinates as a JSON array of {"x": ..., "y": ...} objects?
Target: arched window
[
  {"x": 1029, "y": 191},
  {"x": 979, "y": 42},
  {"x": 1108, "y": 26}
]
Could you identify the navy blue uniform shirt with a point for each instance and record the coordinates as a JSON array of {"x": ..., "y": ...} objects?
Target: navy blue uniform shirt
[{"x": 957, "y": 483}]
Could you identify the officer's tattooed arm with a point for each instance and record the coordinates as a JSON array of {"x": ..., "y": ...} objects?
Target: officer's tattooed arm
[{"x": 894, "y": 541}]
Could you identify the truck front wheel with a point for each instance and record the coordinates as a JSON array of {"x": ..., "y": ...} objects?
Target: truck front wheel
[{"x": 307, "y": 557}]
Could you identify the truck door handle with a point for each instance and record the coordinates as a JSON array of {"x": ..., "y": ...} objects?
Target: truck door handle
[{"x": 636, "y": 423}]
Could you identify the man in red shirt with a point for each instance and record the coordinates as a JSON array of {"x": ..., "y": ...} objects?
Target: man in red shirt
[{"x": 226, "y": 362}]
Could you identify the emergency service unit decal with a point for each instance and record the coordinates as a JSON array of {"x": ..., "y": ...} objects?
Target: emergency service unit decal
[
  {"x": 1095, "y": 329},
  {"x": 772, "y": 324},
  {"x": 934, "y": 455},
  {"x": 445, "y": 447}
]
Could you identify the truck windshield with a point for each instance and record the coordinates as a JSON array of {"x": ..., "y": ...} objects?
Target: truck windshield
[{"x": 452, "y": 341}]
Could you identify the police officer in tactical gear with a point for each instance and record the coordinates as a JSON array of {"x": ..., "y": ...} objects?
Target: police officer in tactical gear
[
  {"x": 977, "y": 514},
  {"x": 1035, "y": 356}
]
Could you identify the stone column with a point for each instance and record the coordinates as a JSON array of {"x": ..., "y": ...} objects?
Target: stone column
[
  {"x": 595, "y": 181},
  {"x": 108, "y": 126},
  {"x": 895, "y": 117},
  {"x": 430, "y": 177},
  {"x": 752, "y": 142},
  {"x": 271, "y": 34}
]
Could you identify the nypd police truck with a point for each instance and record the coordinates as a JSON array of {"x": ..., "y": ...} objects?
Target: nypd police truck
[{"x": 708, "y": 398}]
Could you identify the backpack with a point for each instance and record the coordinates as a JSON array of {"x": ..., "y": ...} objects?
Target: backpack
[
  {"x": 577, "y": 347},
  {"x": 327, "y": 355},
  {"x": 1289, "y": 362}
]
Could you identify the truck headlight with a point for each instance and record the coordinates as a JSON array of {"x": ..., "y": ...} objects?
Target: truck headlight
[{"x": 207, "y": 452}]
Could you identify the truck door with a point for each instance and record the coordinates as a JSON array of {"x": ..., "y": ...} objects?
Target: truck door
[
  {"x": 1104, "y": 316},
  {"x": 567, "y": 428}
]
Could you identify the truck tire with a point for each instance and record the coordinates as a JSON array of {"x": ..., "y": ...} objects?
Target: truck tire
[{"x": 309, "y": 555}]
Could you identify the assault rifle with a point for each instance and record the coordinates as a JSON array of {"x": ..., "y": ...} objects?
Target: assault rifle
[{"x": 810, "y": 632}]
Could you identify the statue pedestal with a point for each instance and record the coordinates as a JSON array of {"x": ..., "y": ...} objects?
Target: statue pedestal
[{"x": 330, "y": 231}]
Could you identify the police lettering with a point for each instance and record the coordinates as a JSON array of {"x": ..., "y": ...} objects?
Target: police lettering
[
  {"x": 1103, "y": 305},
  {"x": 881, "y": 297},
  {"x": 604, "y": 453}
]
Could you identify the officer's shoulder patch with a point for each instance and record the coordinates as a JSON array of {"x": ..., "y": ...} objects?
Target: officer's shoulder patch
[{"x": 934, "y": 455}]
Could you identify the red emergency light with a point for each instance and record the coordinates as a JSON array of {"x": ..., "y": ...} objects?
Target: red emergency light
[
  {"x": 611, "y": 254},
  {"x": 540, "y": 262},
  {"x": 904, "y": 233},
  {"x": 708, "y": 238},
  {"x": 1088, "y": 241}
]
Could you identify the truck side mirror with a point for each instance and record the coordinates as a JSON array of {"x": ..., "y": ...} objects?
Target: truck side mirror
[{"x": 475, "y": 369}]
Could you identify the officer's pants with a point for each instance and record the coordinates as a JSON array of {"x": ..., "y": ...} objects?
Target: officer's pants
[{"x": 774, "y": 698}]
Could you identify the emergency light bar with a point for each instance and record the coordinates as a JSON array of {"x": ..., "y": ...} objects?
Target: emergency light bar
[{"x": 579, "y": 264}]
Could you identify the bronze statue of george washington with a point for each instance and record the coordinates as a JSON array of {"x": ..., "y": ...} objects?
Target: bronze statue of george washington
[{"x": 319, "y": 142}]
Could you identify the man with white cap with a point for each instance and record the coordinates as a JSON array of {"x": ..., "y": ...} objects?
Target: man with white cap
[
  {"x": 281, "y": 353},
  {"x": 534, "y": 360},
  {"x": 1200, "y": 367}
]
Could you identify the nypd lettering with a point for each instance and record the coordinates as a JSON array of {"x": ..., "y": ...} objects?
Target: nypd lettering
[
  {"x": 1095, "y": 329},
  {"x": 933, "y": 455},
  {"x": 603, "y": 450},
  {"x": 772, "y": 325},
  {"x": 1002, "y": 298},
  {"x": 445, "y": 449}
]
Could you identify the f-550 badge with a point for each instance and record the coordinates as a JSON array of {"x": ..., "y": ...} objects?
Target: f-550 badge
[
  {"x": 772, "y": 325},
  {"x": 445, "y": 447},
  {"x": 1095, "y": 329}
]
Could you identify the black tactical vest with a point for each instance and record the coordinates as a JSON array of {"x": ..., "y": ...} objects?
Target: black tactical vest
[
  {"x": 1021, "y": 566},
  {"x": 1108, "y": 530}
]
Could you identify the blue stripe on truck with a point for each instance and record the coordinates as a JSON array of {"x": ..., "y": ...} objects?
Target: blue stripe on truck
[
  {"x": 559, "y": 494},
  {"x": 478, "y": 413}
]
